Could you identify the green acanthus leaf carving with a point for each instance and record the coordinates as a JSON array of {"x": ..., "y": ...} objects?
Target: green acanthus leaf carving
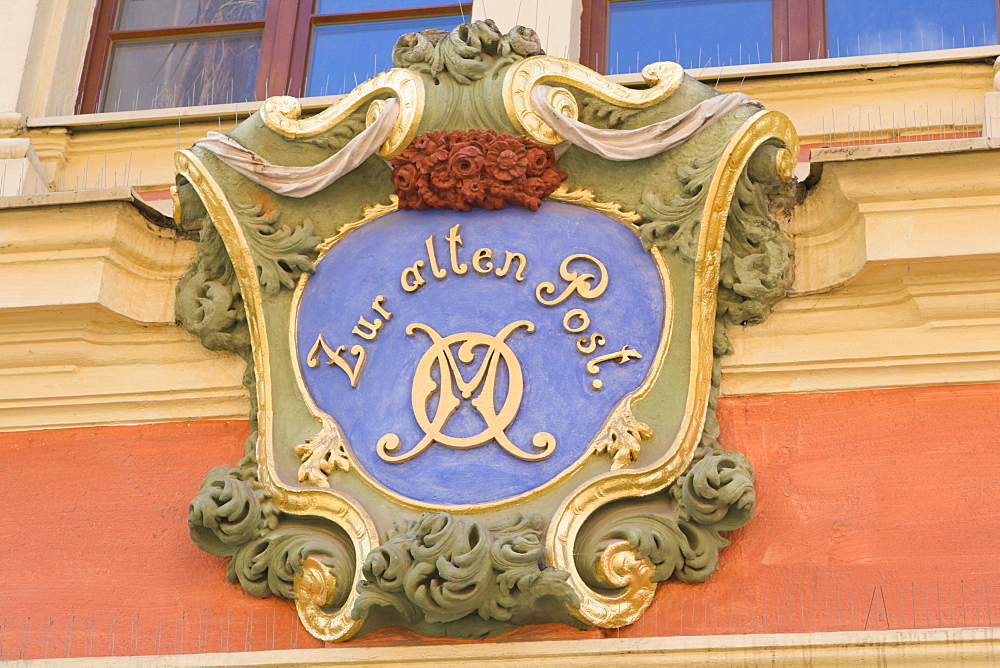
[
  {"x": 715, "y": 495},
  {"x": 601, "y": 113},
  {"x": 673, "y": 226},
  {"x": 680, "y": 534},
  {"x": 440, "y": 569},
  {"x": 281, "y": 253},
  {"x": 756, "y": 268},
  {"x": 460, "y": 51},
  {"x": 209, "y": 304},
  {"x": 337, "y": 138},
  {"x": 231, "y": 509},
  {"x": 268, "y": 566},
  {"x": 233, "y": 516}
]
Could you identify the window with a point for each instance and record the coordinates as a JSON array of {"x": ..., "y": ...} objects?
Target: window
[
  {"x": 349, "y": 48},
  {"x": 898, "y": 26},
  {"x": 698, "y": 34},
  {"x": 621, "y": 35},
  {"x": 149, "y": 54}
]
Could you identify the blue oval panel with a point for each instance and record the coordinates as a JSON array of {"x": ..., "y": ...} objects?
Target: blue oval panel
[{"x": 471, "y": 388}]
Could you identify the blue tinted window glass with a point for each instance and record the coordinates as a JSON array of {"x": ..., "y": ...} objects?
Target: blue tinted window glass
[
  {"x": 897, "y": 26},
  {"x": 694, "y": 33},
  {"x": 344, "y": 52},
  {"x": 344, "y": 6}
]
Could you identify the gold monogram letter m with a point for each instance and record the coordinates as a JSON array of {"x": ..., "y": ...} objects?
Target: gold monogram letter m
[{"x": 441, "y": 356}]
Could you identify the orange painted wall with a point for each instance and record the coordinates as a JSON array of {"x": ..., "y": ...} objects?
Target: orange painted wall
[{"x": 876, "y": 509}]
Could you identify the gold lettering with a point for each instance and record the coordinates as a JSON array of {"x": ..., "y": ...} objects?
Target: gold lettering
[
  {"x": 440, "y": 361},
  {"x": 582, "y": 284},
  {"x": 372, "y": 327},
  {"x": 353, "y": 373},
  {"x": 588, "y": 344},
  {"x": 576, "y": 313},
  {"x": 438, "y": 272},
  {"x": 411, "y": 279},
  {"x": 508, "y": 261},
  {"x": 454, "y": 240},
  {"x": 626, "y": 354},
  {"x": 477, "y": 261},
  {"x": 377, "y": 306}
]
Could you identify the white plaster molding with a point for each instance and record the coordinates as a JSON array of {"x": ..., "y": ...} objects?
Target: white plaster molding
[
  {"x": 972, "y": 647},
  {"x": 15, "y": 34},
  {"x": 83, "y": 366},
  {"x": 97, "y": 248},
  {"x": 21, "y": 172}
]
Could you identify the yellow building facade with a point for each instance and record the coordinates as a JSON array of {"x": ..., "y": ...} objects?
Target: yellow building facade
[{"x": 868, "y": 402}]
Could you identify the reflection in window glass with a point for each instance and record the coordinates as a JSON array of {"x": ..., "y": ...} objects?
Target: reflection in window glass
[
  {"x": 344, "y": 6},
  {"x": 694, "y": 33},
  {"x": 898, "y": 26},
  {"x": 346, "y": 54},
  {"x": 136, "y": 14},
  {"x": 154, "y": 74}
]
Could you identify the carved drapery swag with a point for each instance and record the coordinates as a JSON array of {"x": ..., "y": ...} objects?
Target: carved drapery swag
[{"x": 473, "y": 119}]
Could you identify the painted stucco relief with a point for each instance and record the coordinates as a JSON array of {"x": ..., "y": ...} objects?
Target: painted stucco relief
[{"x": 482, "y": 300}]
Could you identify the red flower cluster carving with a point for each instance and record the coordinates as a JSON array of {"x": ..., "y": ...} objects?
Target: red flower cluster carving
[{"x": 462, "y": 170}]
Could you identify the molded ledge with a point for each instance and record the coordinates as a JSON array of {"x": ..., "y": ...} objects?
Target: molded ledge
[
  {"x": 87, "y": 333},
  {"x": 896, "y": 281},
  {"x": 90, "y": 248},
  {"x": 950, "y": 647}
]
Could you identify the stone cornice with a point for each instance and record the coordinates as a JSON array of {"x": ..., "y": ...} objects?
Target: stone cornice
[
  {"x": 86, "y": 318},
  {"x": 966, "y": 647}
]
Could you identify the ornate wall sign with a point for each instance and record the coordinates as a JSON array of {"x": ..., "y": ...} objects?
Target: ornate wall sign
[{"x": 483, "y": 376}]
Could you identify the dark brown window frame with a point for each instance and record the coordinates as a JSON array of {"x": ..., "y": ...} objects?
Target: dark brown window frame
[
  {"x": 286, "y": 42},
  {"x": 798, "y": 31},
  {"x": 301, "y": 49}
]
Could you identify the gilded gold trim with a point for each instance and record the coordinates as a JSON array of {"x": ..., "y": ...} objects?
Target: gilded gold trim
[
  {"x": 282, "y": 113},
  {"x": 175, "y": 199},
  {"x": 327, "y": 504},
  {"x": 663, "y": 79},
  {"x": 627, "y": 605},
  {"x": 585, "y": 197},
  {"x": 620, "y": 417}
]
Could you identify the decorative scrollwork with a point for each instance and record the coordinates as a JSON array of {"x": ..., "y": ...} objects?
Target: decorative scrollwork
[
  {"x": 586, "y": 197},
  {"x": 282, "y": 114},
  {"x": 276, "y": 561},
  {"x": 716, "y": 494},
  {"x": 281, "y": 253},
  {"x": 520, "y": 79},
  {"x": 673, "y": 226},
  {"x": 441, "y": 569},
  {"x": 625, "y": 606},
  {"x": 209, "y": 304},
  {"x": 234, "y": 516}
]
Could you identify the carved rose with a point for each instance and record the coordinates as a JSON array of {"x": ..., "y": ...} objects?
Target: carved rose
[
  {"x": 405, "y": 178},
  {"x": 507, "y": 159},
  {"x": 459, "y": 170},
  {"x": 465, "y": 160},
  {"x": 537, "y": 161},
  {"x": 427, "y": 144}
]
